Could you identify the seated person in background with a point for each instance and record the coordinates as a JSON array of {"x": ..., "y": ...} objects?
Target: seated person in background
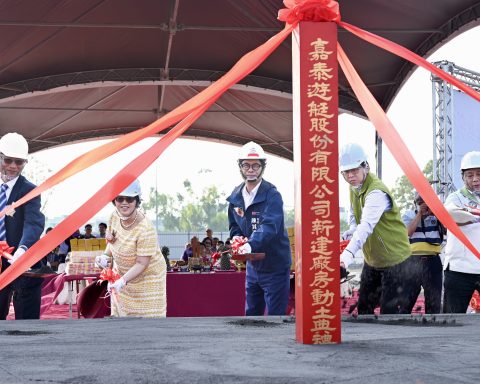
[
  {"x": 426, "y": 236},
  {"x": 102, "y": 230},
  {"x": 215, "y": 244},
  {"x": 88, "y": 232},
  {"x": 207, "y": 243},
  {"x": 62, "y": 252},
  {"x": 209, "y": 234},
  {"x": 189, "y": 249},
  {"x": 52, "y": 257}
]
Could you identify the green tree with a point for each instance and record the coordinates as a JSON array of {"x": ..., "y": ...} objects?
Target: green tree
[
  {"x": 403, "y": 192},
  {"x": 37, "y": 172},
  {"x": 289, "y": 215},
  {"x": 189, "y": 211}
]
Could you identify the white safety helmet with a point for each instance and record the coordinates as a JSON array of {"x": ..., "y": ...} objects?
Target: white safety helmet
[
  {"x": 251, "y": 151},
  {"x": 470, "y": 160},
  {"x": 351, "y": 156},
  {"x": 132, "y": 190},
  {"x": 14, "y": 145}
]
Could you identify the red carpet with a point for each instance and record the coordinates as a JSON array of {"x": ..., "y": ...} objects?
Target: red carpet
[{"x": 55, "y": 311}]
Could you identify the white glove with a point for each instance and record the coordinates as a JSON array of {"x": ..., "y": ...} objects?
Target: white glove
[
  {"x": 117, "y": 285},
  {"x": 245, "y": 248},
  {"x": 347, "y": 235},
  {"x": 346, "y": 258},
  {"x": 18, "y": 253},
  {"x": 102, "y": 261}
]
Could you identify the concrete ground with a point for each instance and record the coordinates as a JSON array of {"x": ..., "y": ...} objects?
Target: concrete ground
[{"x": 390, "y": 349}]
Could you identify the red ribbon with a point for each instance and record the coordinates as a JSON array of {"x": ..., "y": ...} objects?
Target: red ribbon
[
  {"x": 297, "y": 10},
  {"x": 343, "y": 245},
  {"x": 109, "y": 275},
  {"x": 399, "y": 150},
  {"x": 301, "y": 10},
  {"x": 309, "y": 10},
  {"x": 128, "y": 174},
  {"x": 475, "y": 301},
  {"x": 117, "y": 184},
  {"x": 242, "y": 68},
  {"x": 5, "y": 250}
]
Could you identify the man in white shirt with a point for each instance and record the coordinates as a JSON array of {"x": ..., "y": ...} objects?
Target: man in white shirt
[{"x": 462, "y": 267}]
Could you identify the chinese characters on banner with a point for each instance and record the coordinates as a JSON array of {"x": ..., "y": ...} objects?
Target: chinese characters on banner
[{"x": 317, "y": 221}]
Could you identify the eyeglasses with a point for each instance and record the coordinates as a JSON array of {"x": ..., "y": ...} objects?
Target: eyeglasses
[
  {"x": 128, "y": 199},
  {"x": 10, "y": 160},
  {"x": 246, "y": 166}
]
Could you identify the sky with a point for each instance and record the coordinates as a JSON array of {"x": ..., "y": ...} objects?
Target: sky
[{"x": 205, "y": 162}]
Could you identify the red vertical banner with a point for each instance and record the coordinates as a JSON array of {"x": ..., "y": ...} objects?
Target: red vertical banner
[{"x": 317, "y": 220}]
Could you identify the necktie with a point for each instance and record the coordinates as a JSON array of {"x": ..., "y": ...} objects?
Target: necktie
[{"x": 3, "y": 204}]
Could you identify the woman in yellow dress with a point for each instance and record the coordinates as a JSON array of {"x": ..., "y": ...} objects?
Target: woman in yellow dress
[{"x": 133, "y": 246}]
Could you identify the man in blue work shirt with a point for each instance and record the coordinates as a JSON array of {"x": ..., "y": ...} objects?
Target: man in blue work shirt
[{"x": 255, "y": 211}]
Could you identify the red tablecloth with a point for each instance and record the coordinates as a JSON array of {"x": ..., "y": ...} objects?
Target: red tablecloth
[
  {"x": 188, "y": 294},
  {"x": 205, "y": 294}
]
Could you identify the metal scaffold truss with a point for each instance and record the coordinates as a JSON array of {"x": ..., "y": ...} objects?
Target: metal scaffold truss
[{"x": 443, "y": 125}]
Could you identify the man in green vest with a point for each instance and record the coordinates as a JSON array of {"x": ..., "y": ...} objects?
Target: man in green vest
[{"x": 376, "y": 227}]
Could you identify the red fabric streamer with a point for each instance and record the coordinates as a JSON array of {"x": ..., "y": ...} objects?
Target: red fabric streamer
[
  {"x": 301, "y": 10},
  {"x": 198, "y": 105},
  {"x": 343, "y": 245},
  {"x": 399, "y": 150},
  {"x": 297, "y": 10},
  {"x": 106, "y": 194},
  {"x": 242, "y": 68},
  {"x": 5, "y": 250},
  {"x": 410, "y": 56}
]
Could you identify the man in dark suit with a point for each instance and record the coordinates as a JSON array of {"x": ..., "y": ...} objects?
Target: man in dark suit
[{"x": 21, "y": 230}]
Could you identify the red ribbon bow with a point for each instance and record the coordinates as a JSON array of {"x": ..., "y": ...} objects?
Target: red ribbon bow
[
  {"x": 108, "y": 275},
  {"x": 5, "y": 250},
  {"x": 237, "y": 243},
  {"x": 309, "y": 10}
]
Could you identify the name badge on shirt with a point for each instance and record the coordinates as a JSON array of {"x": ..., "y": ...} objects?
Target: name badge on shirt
[{"x": 255, "y": 220}]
